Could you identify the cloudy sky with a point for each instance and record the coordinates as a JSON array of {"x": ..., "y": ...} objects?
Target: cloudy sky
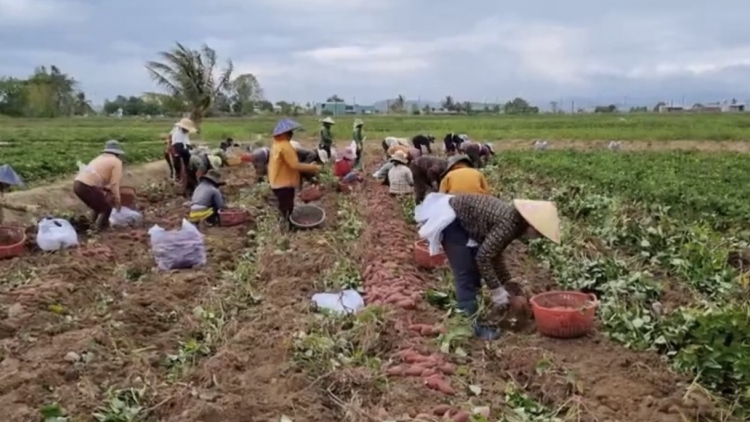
[{"x": 305, "y": 50}]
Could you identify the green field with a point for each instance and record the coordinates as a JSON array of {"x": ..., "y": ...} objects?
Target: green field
[
  {"x": 43, "y": 148},
  {"x": 653, "y": 235}
]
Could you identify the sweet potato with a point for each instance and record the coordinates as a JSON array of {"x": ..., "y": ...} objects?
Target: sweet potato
[
  {"x": 441, "y": 409},
  {"x": 415, "y": 370},
  {"x": 397, "y": 370},
  {"x": 447, "y": 369},
  {"x": 440, "y": 384},
  {"x": 423, "y": 417},
  {"x": 461, "y": 416},
  {"x": 414, "y": 357},
  {"x": 418, "y": 327},
  {"x": 428, "y": 373},
  {"x": 426, "y": 330},
  {"x": 407, "y": 304}
]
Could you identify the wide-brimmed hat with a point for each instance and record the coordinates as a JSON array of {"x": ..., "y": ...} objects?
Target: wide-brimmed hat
[
  {"x": 284, "y": 126},
  {"x": 358, "y": 122},
  {"x": 186, "y": 124},
  {"x": 113, "y": 147},
  {"x": 328, "y": 120},
  {"x": 452, "y": 161},
  {"x": 400, "y": 157},
  {"x": 542, "y": 216},
  {"x": 216, "y": 161},
  {"x": 213, "y": 176}
]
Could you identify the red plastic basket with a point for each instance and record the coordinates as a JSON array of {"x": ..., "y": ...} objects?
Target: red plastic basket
[
  {"x": 12, "y": 240},
  {"x": 422, "y": 256},
  {"x": 313, "y": 193},
  {"x": 127, "y": 197},
  {"x": 562, "y": 314},
  {"x": 232, "y": 217}
]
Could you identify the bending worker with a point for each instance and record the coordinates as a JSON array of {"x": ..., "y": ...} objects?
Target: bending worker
[{"x": 475, "y": 231}]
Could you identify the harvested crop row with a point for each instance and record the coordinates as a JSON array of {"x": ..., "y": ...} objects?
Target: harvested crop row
[{"x": 390, "y": 278}]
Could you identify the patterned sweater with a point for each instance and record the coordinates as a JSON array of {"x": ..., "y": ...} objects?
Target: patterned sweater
[{"x": 494, "y": 224}]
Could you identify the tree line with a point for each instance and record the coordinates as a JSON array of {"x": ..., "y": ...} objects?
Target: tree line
[{"x": 48, "y": 92}]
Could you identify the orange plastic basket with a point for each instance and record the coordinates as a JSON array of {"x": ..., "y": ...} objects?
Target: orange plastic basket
[
  {"x": 12, "y": 241},
  {"x": 562, "y": 314},
  {"x": 423, "y": 258}
]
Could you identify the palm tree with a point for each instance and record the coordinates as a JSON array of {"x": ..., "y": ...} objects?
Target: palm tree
[{"x": 188, "y": 76}]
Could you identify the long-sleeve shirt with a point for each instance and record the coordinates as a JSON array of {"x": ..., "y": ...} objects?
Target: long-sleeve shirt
[
  {"x": 400, "y": 180},
  {"x": 179, "y": 137},
  {"x": 284, "y": 167},
  {"x": 464, "y": 180},
  {"x": 494, "y": 224},
  {"x": 199, "y": 163},
  {"x": 326, "y": 138},
  {"x": 104, "y": 171},
  {"x": 358, "y": 137},
  {"x": 205, "y": 196},
  {"x": 426, "y": 173}
]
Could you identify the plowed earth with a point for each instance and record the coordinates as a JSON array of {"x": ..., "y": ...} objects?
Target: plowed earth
[{"x": 80, "y": 322}]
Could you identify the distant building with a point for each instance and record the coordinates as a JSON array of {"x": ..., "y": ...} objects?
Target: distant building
[
  {"x": 339, "y": 109},
  {"x": 736, "y": 108},
  {"x": 666, "y": 108}
]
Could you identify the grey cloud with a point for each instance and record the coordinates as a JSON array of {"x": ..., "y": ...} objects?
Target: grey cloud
[{"x": 305, "y": 50}]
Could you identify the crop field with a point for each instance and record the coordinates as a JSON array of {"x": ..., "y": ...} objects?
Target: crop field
[
  {"x": 97, "y": 333},
  {"x": 42, "y": 148}
]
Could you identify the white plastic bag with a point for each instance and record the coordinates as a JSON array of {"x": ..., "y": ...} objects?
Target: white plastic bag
[
  {"x": 55, "y": 233},
  {"x": 177, "y": 249},
  {"x": 435, "y": 214},
  {"x": 125, "y": 217},
  {"x": 347, "y": 301}
]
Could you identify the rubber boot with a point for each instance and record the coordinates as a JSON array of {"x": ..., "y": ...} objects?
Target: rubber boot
[{"x": 470, "y": 308}]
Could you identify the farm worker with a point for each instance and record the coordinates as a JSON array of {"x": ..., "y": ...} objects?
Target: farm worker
[
  {"x": 260, "y": 158},
  {"x": 169, "y": 155},
  {"x": 475, "y": 231},
  {"x": 226, "y": 144},
  {"x": 326, "y": 137},
  {"x": 200, "y": 163},
  {"x": 344, "y": 167},
  {"x": 103, "y": 173},
  {"x": 478, "y": 153},
  {"x": 359, "y": 139},
  {"x": 413, "y": 154},
  {"x": 460, "y": 177},
  {"x": 400, "y": 180},
  {"x": 390, "y": 141},
  {"x": 284, "y": 168},
  {"x": 420, "y": 141},
  {"x": 180, "y": 137},
  {"x": 398, "y": 147},
  {"x": 426, "y": 172},
  {"x": 207, "y": 199},
  {"x": 308, "y": 156},
  {"x": 8, "y": 178},
  {"x": 451, "y": 143}
]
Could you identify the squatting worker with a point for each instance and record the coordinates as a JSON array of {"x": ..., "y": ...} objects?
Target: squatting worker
[
  {"x": 326, "y": 136},
  {"x": 207, "y": 200},
  {"x": 284, "y": 168},
  {"x": 478, "y": 153},
  {"x": 461, "y": 177},
  {"x": 180, "y": 137},
  {"x": 426, "y": 172},
  {"x": 103, "y": 173},
  {"x": 474, "y": 242}
]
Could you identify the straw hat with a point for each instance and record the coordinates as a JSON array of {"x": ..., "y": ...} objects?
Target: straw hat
[
  {"x": 358, "y": 122},
  {"x": 328, "y": 120},
  {"x": 213, "y": 176},
  {"x": 542, "y": 216},
  {"x": 113, "y": 147},
  {"x": 186, "y": 124},
  {"x": 284, "y": 126},
  {"x": 400, "y": 156}
]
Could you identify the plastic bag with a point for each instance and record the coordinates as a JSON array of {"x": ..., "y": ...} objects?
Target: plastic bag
[
  {"x": 54, "y": 234},
  {"x": 125, "y": 217},
  {"x": 177, "y": 249},
  {"x": 347, "y": 301}
]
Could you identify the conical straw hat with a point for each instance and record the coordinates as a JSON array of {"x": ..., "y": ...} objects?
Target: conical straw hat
[{"x": 542, "y": 216}]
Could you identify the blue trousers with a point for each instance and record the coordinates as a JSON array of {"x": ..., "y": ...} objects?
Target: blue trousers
[{"x": 461, "y": 259}]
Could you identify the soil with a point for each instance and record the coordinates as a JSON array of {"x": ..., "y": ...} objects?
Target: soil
[{"x": 76, "y": 323}]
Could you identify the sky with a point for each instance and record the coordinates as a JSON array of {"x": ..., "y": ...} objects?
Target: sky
[{"x": 370, "y": 50}]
